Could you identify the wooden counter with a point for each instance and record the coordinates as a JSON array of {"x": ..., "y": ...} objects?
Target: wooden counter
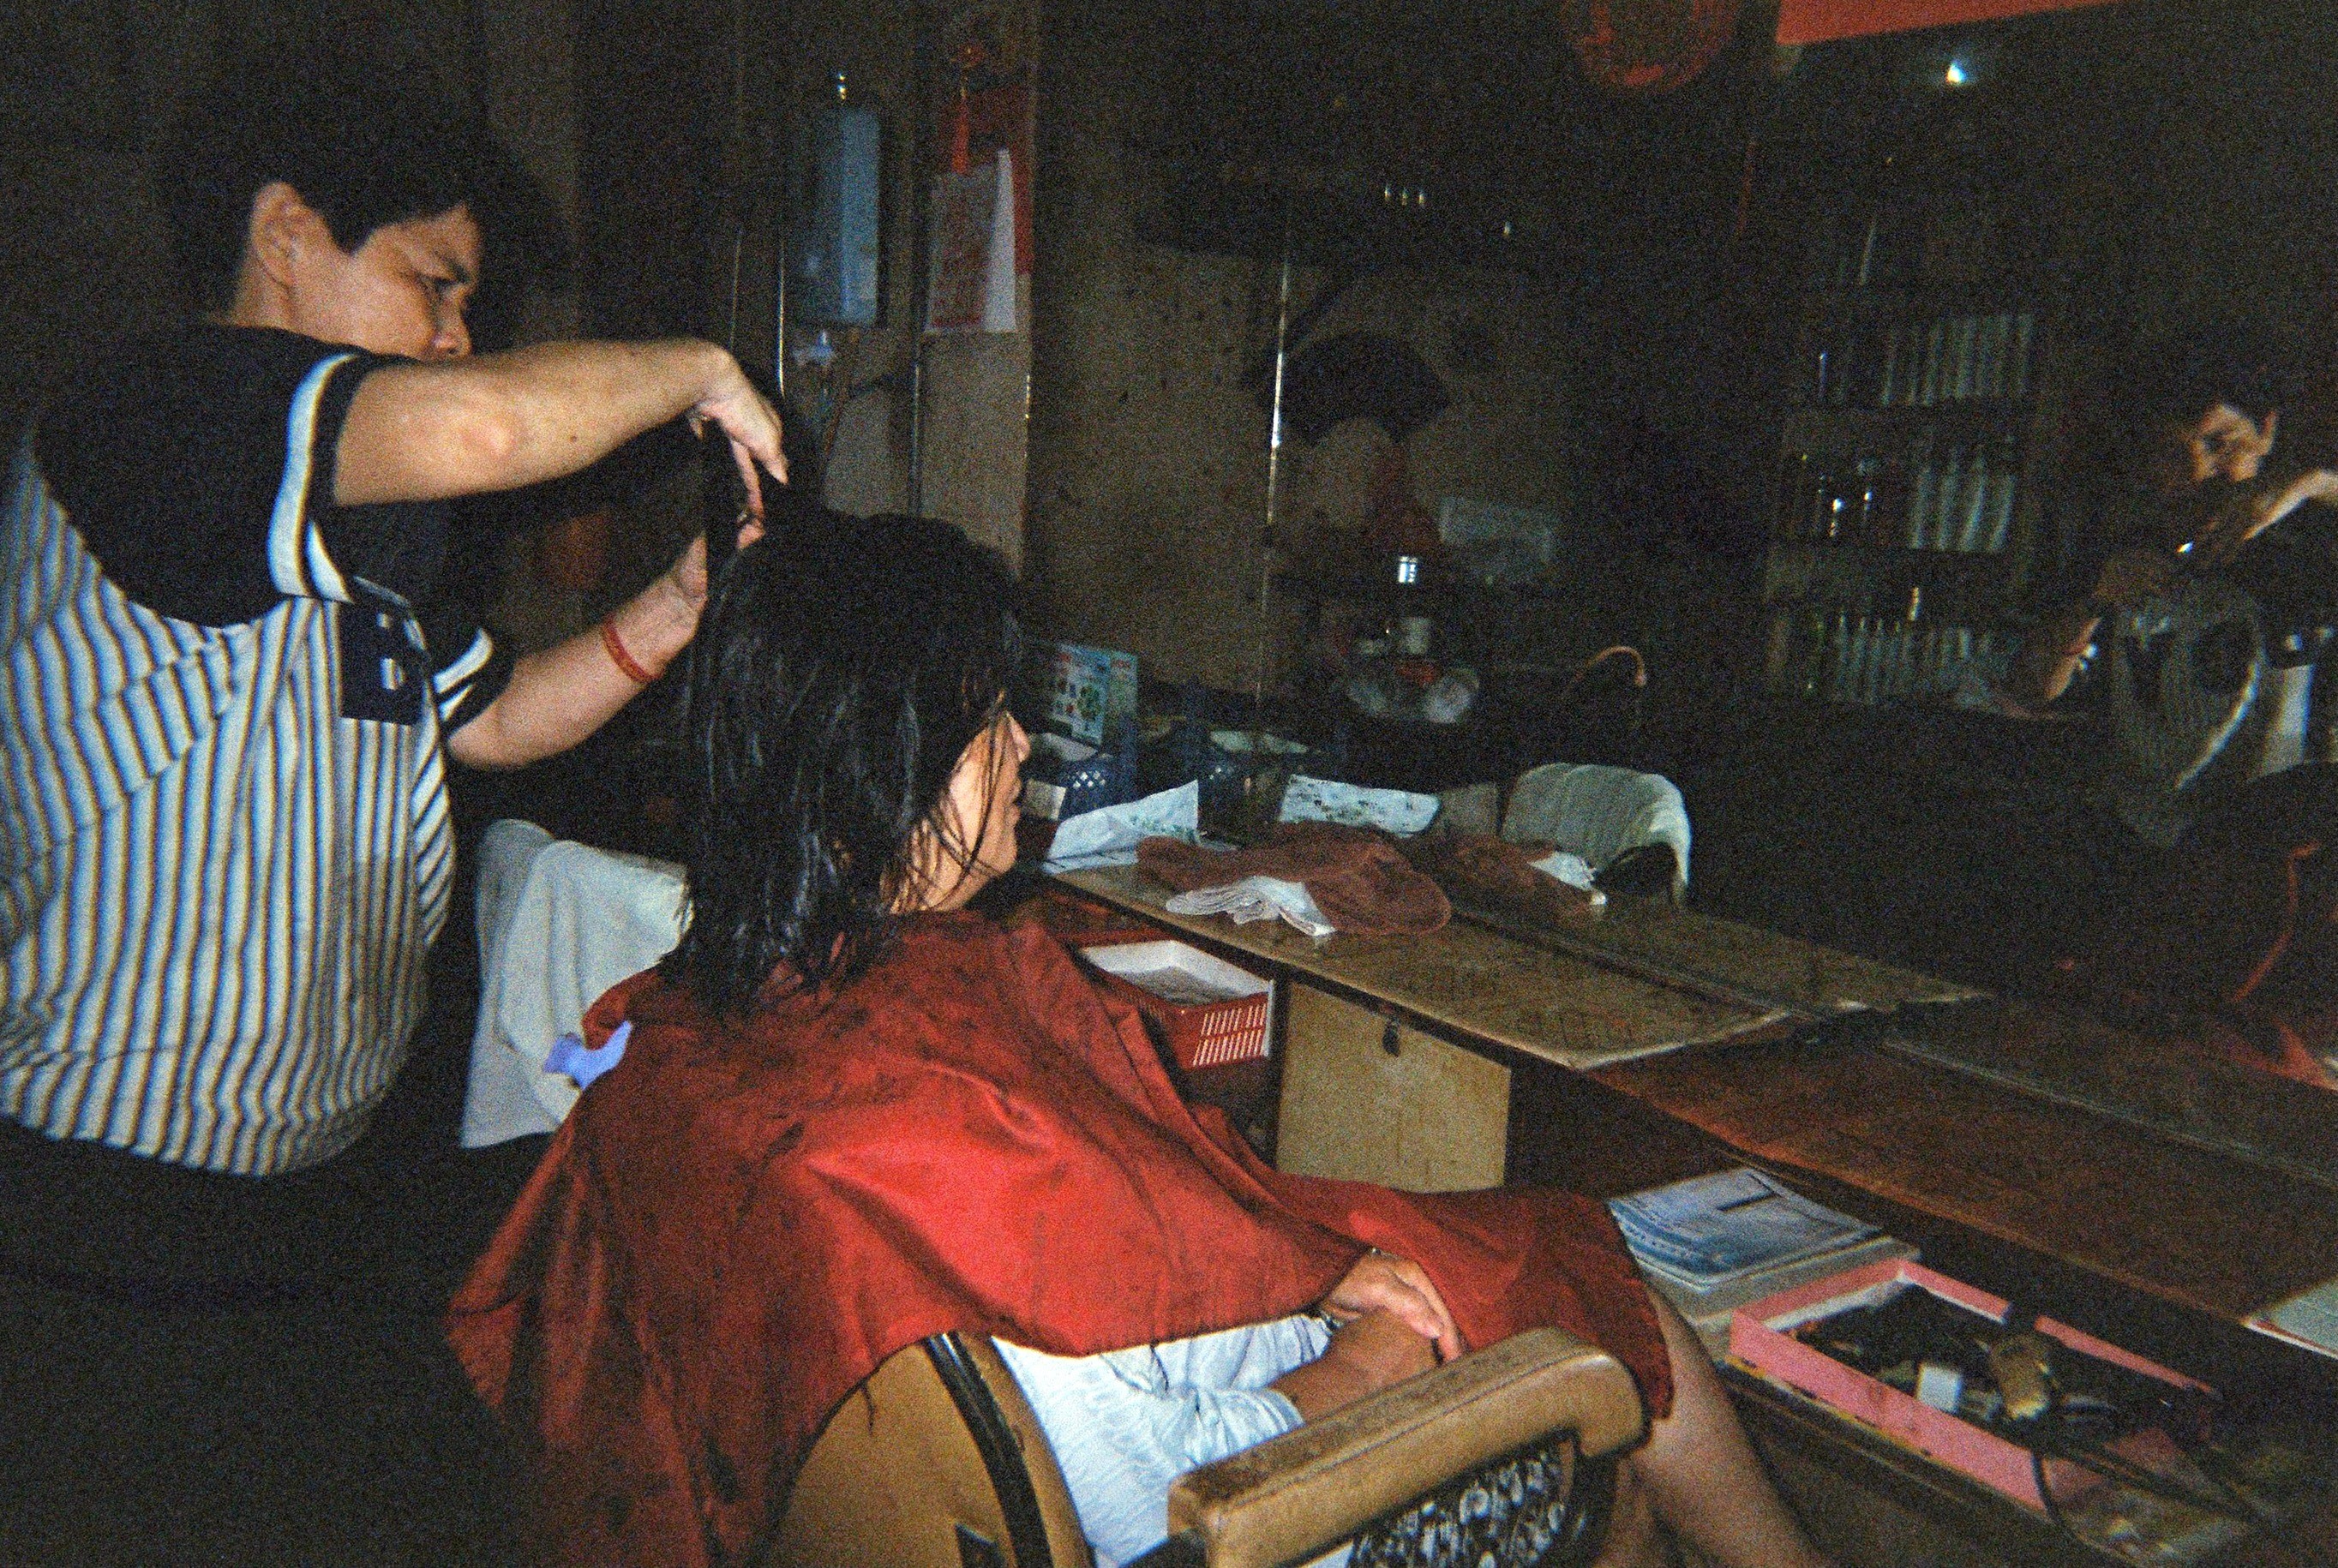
[
  {"x": 1607, "y": 1081},
  {"x": 2198, "y": 1230}
]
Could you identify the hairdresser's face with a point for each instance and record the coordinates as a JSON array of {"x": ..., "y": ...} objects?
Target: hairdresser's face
[
  {"x": 402, "y": 291},
  {"x": 981, "y": 806},
  {"x": 2223, "y": 444}
]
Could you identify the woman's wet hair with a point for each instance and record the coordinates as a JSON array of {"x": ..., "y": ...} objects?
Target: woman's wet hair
[{"x": 841, "y": 668}]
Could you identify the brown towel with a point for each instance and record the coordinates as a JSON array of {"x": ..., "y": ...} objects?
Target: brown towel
[
  {"x": 1356, "y": 877},
  {"x": 1478, "y": 866}
]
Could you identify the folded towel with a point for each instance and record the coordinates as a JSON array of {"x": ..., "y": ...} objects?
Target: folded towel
[
  {"x": 1357, "y": 878},
  {"x": 1256, "y": 898}
]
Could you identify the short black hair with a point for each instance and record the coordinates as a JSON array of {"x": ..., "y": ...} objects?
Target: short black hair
[
  {"x": 365, "y": 144},
  {"x": 841, "y": 667},
  {"x": 2175, "y": 378}
]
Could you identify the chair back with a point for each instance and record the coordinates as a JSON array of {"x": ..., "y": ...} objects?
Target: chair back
[{"x": 935, "y": 1462}]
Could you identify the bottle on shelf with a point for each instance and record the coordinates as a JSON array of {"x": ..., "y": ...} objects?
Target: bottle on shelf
[{"x": 2004, "y": 482}]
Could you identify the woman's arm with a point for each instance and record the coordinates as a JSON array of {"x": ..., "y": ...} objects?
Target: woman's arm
[
  {"x": 1366, "y": 1354},
  {"x": 467, "y": 426}
]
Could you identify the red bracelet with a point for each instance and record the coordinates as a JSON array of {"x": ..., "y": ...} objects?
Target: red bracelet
[{"x": 623, "y": 660}]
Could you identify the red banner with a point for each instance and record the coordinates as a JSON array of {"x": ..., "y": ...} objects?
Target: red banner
[{"x": 1820, "y": 21}]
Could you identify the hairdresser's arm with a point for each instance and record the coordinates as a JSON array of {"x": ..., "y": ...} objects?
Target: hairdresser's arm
[
  {"x": 2262, "y": 507},
  {"x": 2050, "y": 654},
  {"x": 499, "y": 421}
]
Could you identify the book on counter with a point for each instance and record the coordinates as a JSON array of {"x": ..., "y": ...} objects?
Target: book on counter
[
  {"x": 1713, "y": 1244},
  {"x": 2308, "y": 1319}
]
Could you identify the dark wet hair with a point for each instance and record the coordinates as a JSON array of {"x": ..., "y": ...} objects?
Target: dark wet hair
[
  {"x": 841, "y": 668},
  {"x": 2176, "y": 380},
  {"x": 365, "y": 144}
]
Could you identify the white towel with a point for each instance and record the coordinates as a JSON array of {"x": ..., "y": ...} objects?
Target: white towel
[
  {"x": 1256, "y": 898},
  {"x": 1599, "y": 812},
  {"x": 559, "y": 924}
]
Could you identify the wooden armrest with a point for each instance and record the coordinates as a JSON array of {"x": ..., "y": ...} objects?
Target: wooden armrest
[{"x": 1293, "y": 1496}]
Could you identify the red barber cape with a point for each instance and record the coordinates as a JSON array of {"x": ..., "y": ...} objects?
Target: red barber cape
[{"x": 741, "y": 1220}]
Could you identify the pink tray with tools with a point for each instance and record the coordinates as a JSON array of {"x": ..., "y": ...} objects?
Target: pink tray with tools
[{"x": 1760, "y": 1336}]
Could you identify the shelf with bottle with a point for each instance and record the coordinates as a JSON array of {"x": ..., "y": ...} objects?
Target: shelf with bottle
[
  {"x": 1915, "y": 359},
  {"x": 1854, "y": 653},
  {"x": 1942, "y": 492}
]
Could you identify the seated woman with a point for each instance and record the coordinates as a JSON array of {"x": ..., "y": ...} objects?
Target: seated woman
[{"x": 851, "y": 1114}]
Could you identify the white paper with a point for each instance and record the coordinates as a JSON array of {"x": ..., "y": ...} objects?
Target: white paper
[
  {"x": 1732, "y": 1223},
  {"x": 1109, "y": 835},
  {"x": 1395, "y": 811},
  {"x": 970, "y": 263}
]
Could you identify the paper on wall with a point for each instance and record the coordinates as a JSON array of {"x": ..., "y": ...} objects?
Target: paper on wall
[{"x": 970, "y": 267}]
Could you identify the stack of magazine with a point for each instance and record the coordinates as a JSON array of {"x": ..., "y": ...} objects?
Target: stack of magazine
[{"x": 1713, "y": 1244}]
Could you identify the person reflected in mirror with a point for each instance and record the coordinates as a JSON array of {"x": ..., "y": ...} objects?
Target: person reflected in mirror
[{"x": 2204, "y": 625}]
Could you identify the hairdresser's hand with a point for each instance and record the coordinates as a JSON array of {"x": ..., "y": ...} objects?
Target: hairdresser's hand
[
  {"x": 752, "y": 424},
  {"x": 1401, "y": 1288}
]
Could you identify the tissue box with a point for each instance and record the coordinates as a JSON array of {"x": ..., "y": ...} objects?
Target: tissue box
[
  {"x": 1760, "y": 1336},
  {"x": 1211, "y": 1012}
]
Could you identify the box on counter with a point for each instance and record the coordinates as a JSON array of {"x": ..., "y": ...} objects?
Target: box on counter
[
  {"x": 1762, "y": 1337},
  {"x": 1087, "y": 694},
  {"x": 1211, "y": 1012}
]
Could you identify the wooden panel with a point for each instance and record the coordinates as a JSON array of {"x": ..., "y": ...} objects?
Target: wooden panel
[
  {"x": 1366, "y": 1099},
  {"x": 2181, "y": 1224}
]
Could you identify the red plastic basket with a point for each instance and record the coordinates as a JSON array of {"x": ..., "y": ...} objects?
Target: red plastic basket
[{"x": 1232, "y": 1027}]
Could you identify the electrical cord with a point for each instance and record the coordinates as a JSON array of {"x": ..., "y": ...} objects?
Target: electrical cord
[{"x": 2051, "y": 1441}]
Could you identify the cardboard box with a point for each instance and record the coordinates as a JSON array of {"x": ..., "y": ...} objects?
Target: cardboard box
[
  {"x": 1211, "y": 1012},
  {"x": 1087, "y": 694},
  {"x": 1760, "y": 1336}
]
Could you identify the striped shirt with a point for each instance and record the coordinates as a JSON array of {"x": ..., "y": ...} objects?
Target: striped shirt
[{"x": 224, "y": 848}]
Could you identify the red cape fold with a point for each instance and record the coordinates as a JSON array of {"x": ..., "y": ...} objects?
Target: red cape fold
[{"x": 742, "y": 1219}]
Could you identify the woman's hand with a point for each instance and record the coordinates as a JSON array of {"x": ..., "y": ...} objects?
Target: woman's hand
[
  {"x": 1401, "y": 1288},
  {"x": 1366, "y": 1354}
]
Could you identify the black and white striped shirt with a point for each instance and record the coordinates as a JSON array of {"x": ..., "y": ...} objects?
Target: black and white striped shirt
[{"x": 225, "y": 841}]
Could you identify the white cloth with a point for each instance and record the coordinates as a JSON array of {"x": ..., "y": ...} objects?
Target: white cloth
[
  {"x": 1397, "y": 811},
  {"x": 1126, "y": 1424},
  {"x": 1109, "y": 835},
  {"x": 1599, "y": 812},
  {"x": 1256, "y": 898},
  {"x": 559, "y": 924}
]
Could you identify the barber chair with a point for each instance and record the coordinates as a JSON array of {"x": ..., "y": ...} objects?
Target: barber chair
[{"x": 1505, "y": 1456}]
